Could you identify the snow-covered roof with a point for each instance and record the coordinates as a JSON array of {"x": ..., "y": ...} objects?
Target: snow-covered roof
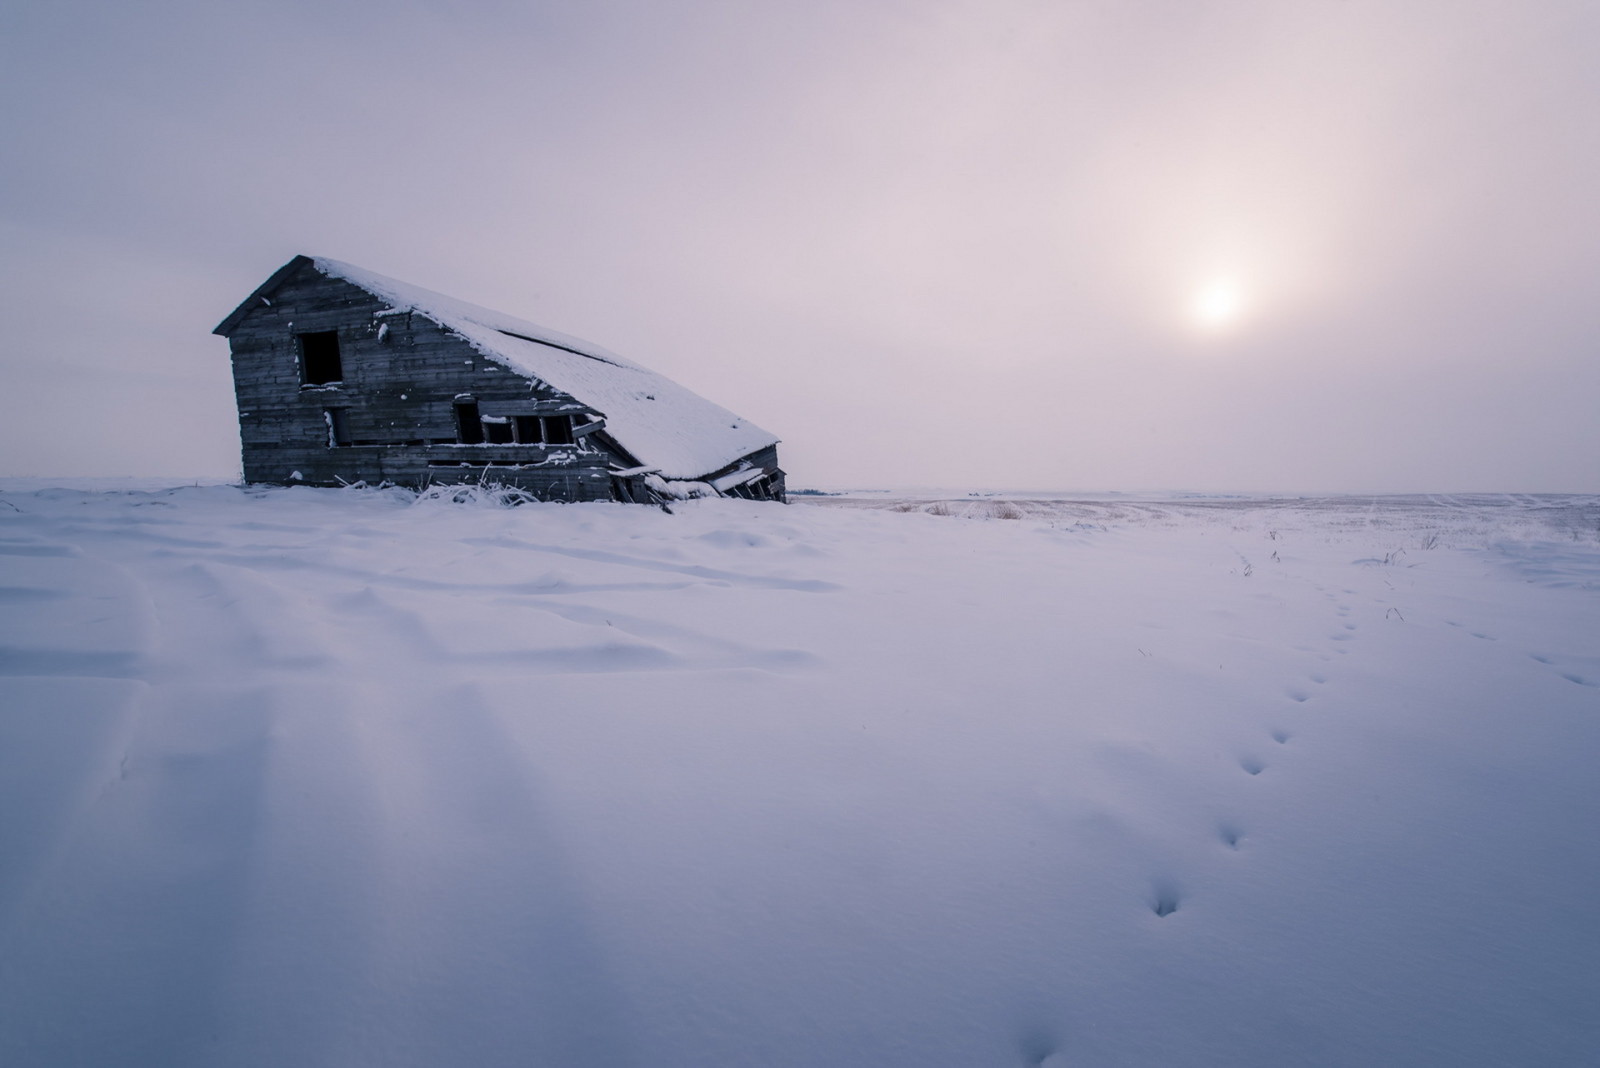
[{"x": 660, "y": 422}]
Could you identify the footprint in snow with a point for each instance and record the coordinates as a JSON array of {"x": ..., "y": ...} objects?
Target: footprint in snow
[
  {"x": 1297, "y": 695},
  {"x": 1229, "y": 835},
  {"x": 1281, "y": 737},
  {"x": 1252, "y": 766},
  {"x": 1038, "y": 1048},
  {"x": 1569, "y": 676},
  {"x": 1164, "y": 899}
]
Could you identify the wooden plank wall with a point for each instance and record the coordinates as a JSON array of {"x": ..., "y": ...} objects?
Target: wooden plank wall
[{"x": 401, "y": 377}]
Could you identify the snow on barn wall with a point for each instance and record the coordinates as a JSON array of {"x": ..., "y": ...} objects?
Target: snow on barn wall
[{"x": 343, "y": 375}]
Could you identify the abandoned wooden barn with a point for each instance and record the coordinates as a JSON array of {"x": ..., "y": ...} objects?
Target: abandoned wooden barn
[{"x": 346, "y": 376}]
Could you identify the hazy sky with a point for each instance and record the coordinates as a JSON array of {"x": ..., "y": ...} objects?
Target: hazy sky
[{"x": 1329, "y": 245}]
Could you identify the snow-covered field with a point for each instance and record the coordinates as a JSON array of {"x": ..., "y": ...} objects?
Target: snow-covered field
[{"x": 313, "y": 777}]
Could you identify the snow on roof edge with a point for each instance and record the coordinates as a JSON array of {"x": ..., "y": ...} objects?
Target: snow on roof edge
[{"x": 443, "y": 309}]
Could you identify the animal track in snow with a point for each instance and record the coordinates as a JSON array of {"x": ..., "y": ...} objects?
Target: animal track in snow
[
  {"x": 1297, "y": 695},
  {"x": 1252, "y": 766},
  {"x": 1579, "y": 679},
  {"x": 1230, "y": 835},
  {"x": 1281, "y": 737}
]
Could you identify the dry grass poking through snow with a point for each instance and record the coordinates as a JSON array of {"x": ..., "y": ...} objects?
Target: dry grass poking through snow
[{"x": 1416, "y": 521}]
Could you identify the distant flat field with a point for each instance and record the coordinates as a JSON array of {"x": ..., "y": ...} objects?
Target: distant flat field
[
  {"x": 1463, "y": 516},
  {"x": 295, "y": 776}
]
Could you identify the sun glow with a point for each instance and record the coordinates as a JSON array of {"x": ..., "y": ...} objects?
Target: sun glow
[{"x": 1217, "y": 305}]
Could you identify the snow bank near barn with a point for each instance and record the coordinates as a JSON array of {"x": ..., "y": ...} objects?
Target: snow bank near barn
[{"x": 317, "y": 777}]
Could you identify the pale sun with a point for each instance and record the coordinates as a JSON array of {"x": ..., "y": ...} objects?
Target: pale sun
[{"x": 1217, "y": 305}]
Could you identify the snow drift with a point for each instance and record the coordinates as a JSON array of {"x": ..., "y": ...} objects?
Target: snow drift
[{"x": 320, "y": 777}]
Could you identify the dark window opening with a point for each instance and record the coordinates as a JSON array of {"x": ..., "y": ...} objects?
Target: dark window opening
[
  {"x": 338, "y": 426},
  {"x": 469, "y": 425},
  {"x": 319, "y": 358},
  {"x": 544, "y": 430},
  {"x": 558, "y": 430},
  {"x": 498, "y": 431}
]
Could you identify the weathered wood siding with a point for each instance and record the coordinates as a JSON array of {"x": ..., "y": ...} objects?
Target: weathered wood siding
[{"x": 402, "y": 375}]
